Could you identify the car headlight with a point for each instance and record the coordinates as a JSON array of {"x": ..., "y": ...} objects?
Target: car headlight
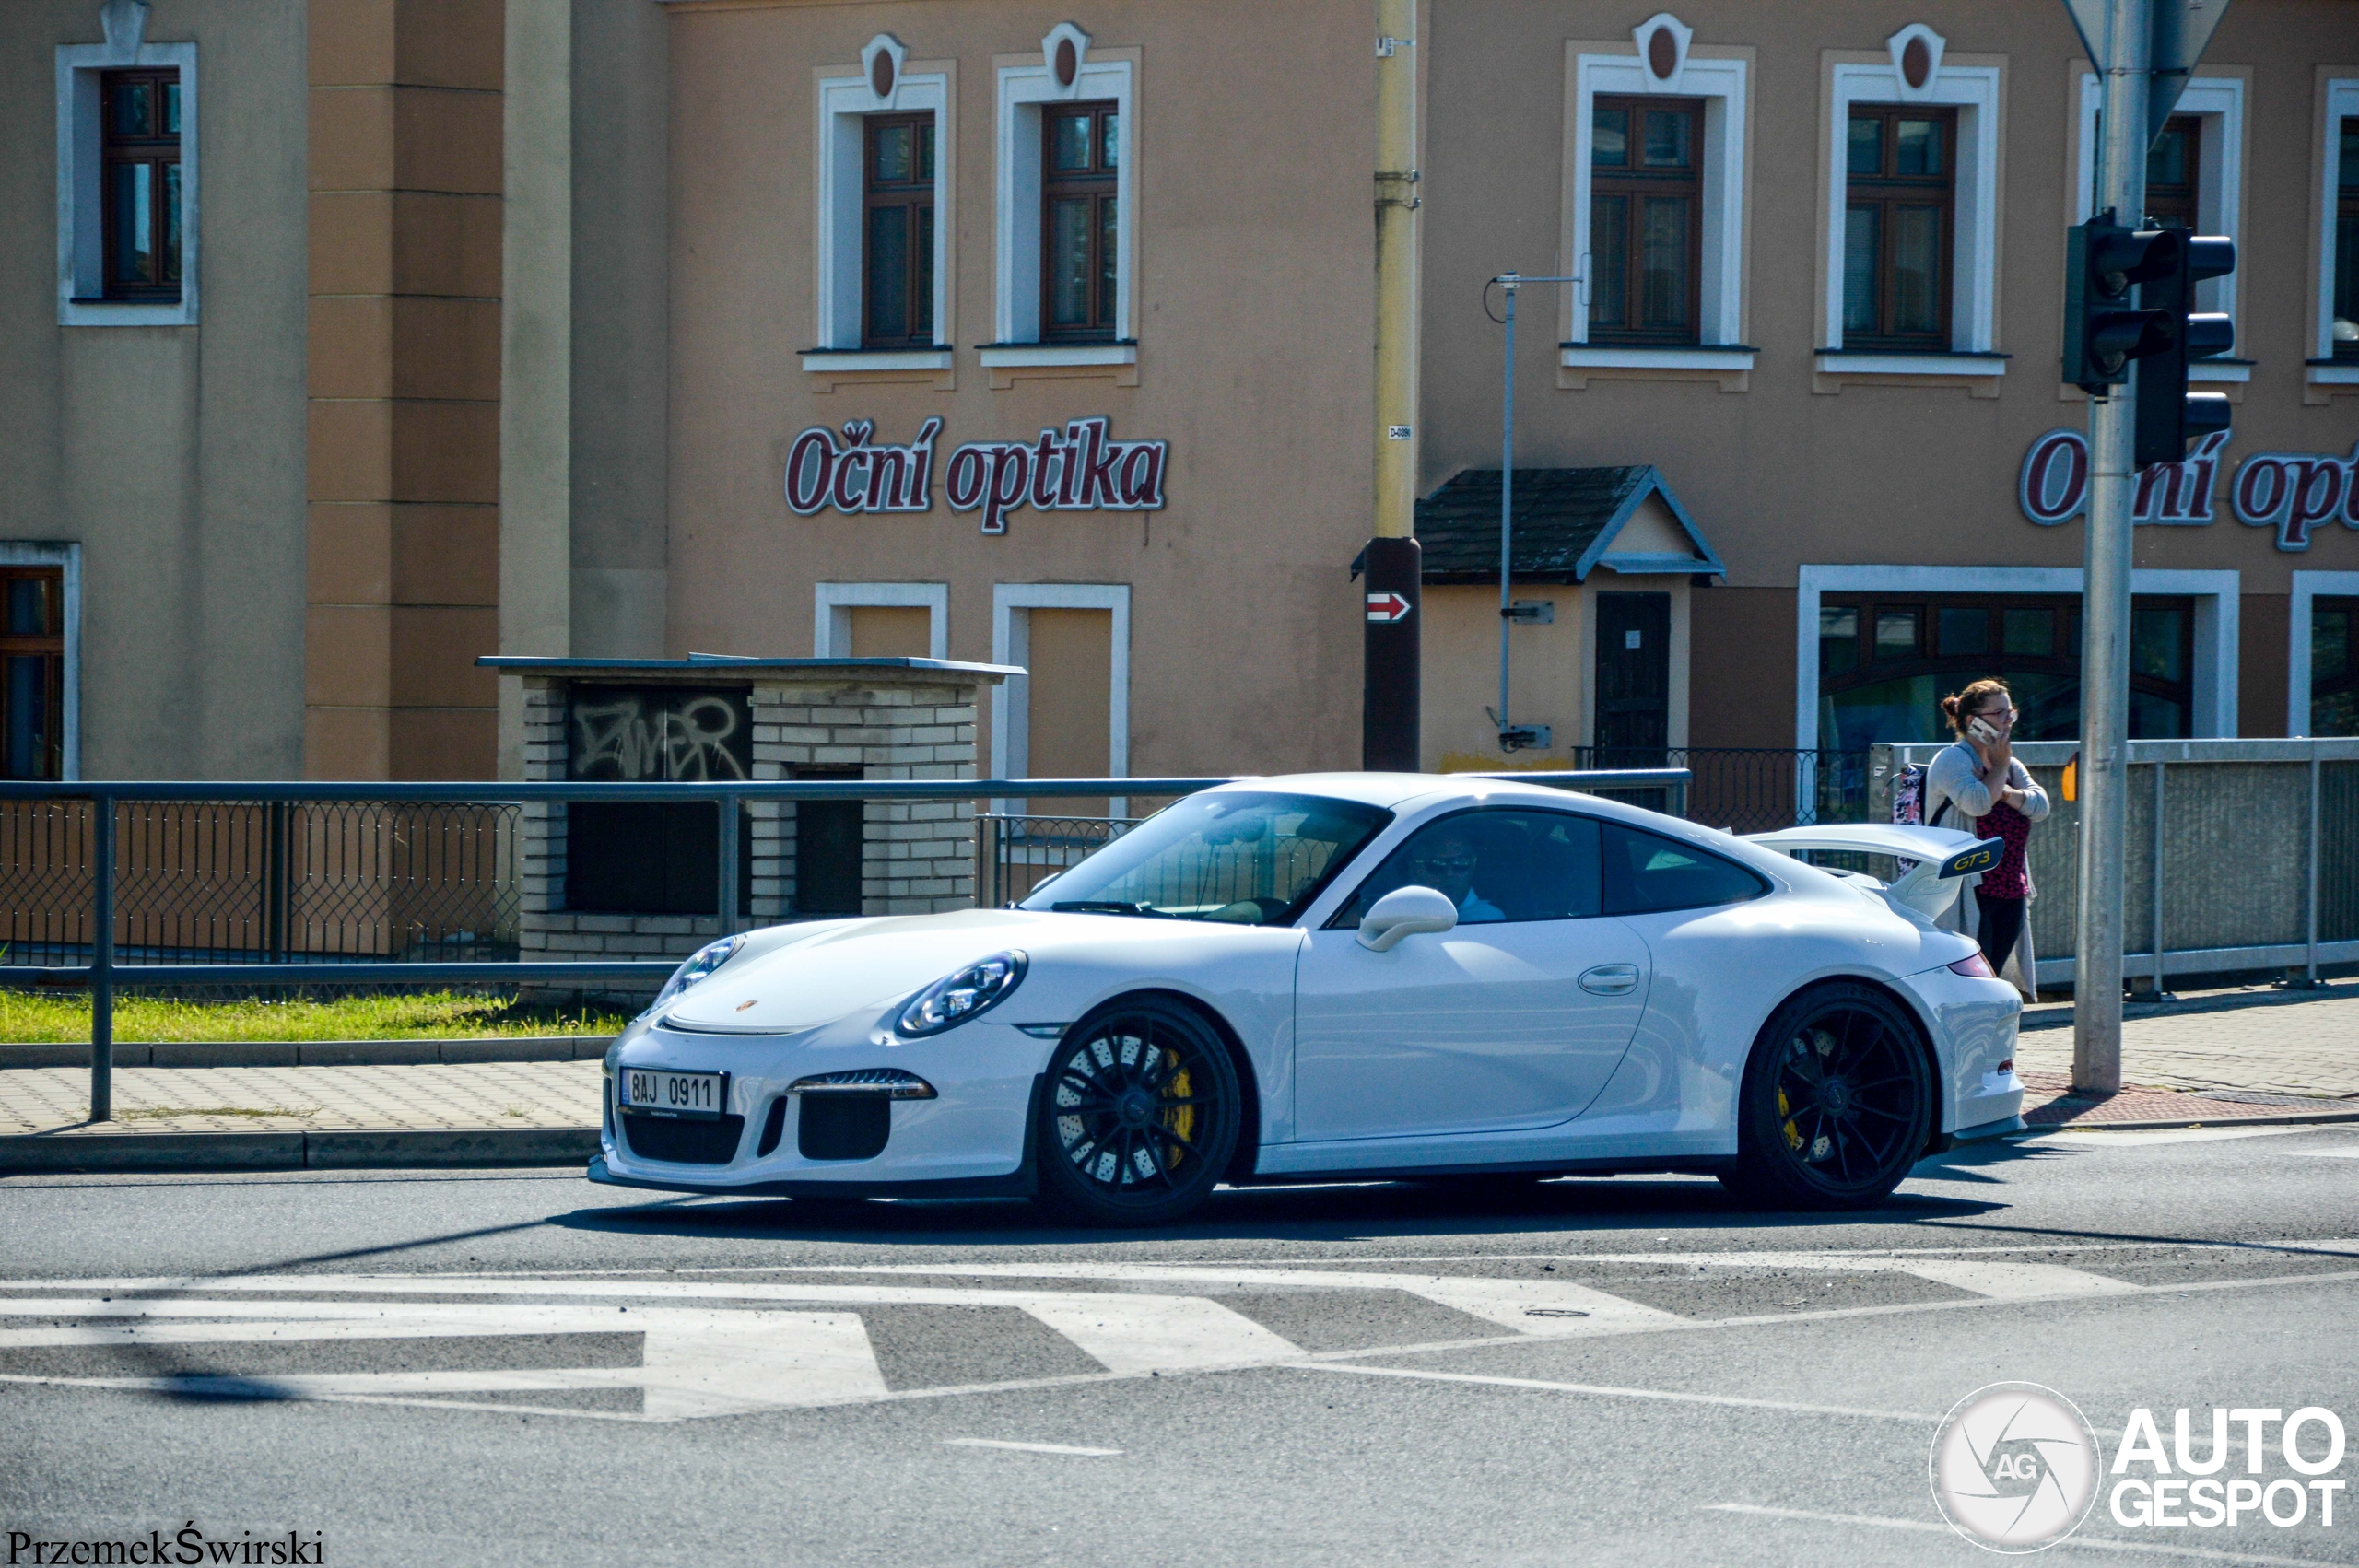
[
  {"x": 702, "y": 962},
  {"x": 955, "y": 998}
]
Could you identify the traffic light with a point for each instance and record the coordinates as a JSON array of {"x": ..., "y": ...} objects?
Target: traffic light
[
  {"x": 2168, "y": 415},
  {"x": 2103, "y": 327}
]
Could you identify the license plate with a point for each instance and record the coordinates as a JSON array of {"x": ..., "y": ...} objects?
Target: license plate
[{"x": 675, "y": 1094}]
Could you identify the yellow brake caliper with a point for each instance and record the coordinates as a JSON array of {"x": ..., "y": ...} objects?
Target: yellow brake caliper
[{"x": 1180, "y": 1120}]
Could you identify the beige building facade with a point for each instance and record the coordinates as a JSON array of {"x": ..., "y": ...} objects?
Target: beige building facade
[{"x": 959, "y": 329}]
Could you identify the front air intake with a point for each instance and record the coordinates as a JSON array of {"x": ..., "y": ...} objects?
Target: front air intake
[{"x": 684, "y": 1140}]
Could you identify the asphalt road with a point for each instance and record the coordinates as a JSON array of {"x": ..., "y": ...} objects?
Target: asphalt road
[{"x": 458, "y": 1367}]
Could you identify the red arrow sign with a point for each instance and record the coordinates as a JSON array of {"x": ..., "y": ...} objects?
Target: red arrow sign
[{"x": 1386, "y": 608}]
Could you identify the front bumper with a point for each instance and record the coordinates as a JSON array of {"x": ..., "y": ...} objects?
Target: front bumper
[{"x": 974, "y": 1138}]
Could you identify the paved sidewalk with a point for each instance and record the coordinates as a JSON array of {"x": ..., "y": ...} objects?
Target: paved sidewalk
[
  {"x": 55, "y": 1101},
  {"x": 2270, "y": 1046}
]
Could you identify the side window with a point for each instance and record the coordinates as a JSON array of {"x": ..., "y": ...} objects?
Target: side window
[
  {"x": 1494, "y": 865},
  {"x": 1646, "y": 871}
]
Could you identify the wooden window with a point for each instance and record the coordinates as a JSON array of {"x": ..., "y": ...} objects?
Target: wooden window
[
  {"x": 897, "y": 237},
  {"x": 1079, "y": 175},
  {"x": 2173, "y": 167},
  {"x": 1898, "y": 227},
  {"x": 140, "y": 148},
  {"x": 1646, "y": 229},
  {"x": 2346, "y": 246},
  {"x": 32, "y": 671}
]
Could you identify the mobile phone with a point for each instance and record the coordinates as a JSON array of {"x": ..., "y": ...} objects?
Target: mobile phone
[{"x": 1981, "y": 731}]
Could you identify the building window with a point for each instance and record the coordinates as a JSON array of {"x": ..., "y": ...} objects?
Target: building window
[
  {"x": 898, "y": 231},
  {"x": 32, "y": 671},
  {"x": 2174, "y": 173},
  {"x": 2346, "y": 244},
  {"x": 1646, "y": 226},
  {"x": 1080, "y": 222},
  {"x": 2334, "y": 666},
  {"x": 1886, "y": 660},
  {"x": 140, "y": 155},
  {"x": 1901, "y": 165}
]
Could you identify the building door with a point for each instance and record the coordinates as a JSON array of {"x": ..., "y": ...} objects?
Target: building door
[
  {"x": 1069, "y": 695},
  {"x": 1633, "y": 679}
]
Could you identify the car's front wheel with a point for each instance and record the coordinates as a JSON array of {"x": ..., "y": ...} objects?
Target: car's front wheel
[
  {"x": 1838, "y": 1102},
  {"x": 1140, "y": 1115}
]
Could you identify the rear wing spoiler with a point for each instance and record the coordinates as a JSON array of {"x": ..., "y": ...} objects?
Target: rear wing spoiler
[{"x": 1933, "y": 860}]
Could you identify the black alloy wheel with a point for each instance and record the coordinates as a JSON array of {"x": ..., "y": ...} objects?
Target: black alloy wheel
[
  {"x": 1838, "y": 1102},
  {"x": 1139, "y": 1116}
]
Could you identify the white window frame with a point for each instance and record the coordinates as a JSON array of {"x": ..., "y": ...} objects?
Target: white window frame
[
  {"x": 2307, "y": 588},
  {"x": 1011, "y": 699},
  {"x": 833, "y": 603},
  {"x": 1721, "y": 83},
  {"x": 81, "y": 204},
  {"x": 2337, "y": 100},
  {"x": 846, "y": 99},
  {"x": 2212, "y": 707},
  {"x": 68, "y": 557},
  {"x": 2219, "y": 102},
  {"x": 1024, "y": 85},
  {"x": 1977, "y": 92}
]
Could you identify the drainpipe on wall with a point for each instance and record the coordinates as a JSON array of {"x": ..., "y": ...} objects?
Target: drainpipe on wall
[{"x": 1389, "y": 739}]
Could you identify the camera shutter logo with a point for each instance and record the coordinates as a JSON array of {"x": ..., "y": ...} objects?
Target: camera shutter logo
[{"x": 2014, "y": 1467}]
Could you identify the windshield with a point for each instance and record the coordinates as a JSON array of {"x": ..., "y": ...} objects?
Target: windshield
[{"x": 1247, "y": 859}]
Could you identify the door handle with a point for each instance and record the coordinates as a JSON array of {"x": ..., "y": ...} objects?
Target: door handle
[{"x": 1611, "y": 980}]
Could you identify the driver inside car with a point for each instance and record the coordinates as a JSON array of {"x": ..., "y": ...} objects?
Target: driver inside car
[{"x": 1445, "y": 860}]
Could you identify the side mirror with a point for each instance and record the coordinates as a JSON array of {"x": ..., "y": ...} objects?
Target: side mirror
[{"x": 1405, "y": 912}]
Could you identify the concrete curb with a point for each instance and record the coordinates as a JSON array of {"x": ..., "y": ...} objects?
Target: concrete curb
[
  {"x": 340, "y": 1149},
  {"x": 2298, "y": 1118},
  {"x": 317, "y": 1053}
]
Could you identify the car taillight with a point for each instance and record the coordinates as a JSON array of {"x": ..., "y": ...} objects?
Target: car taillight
[{"x": 1976, "y": 966}]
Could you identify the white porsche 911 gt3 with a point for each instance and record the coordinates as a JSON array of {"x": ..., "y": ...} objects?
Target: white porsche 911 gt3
[{"x": 1344, "y": 976}]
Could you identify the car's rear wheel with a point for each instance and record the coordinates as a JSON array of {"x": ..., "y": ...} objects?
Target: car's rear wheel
[
  {"x": 1838, "y": 1102},
  {"x": 1140, "y": 1115}
]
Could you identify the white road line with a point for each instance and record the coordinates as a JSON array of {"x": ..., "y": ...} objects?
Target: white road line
[
  {"x": 1031, "y": 1447},
  {"x": 2011, "y": 1281},
  {"x": 1141, "y": 1333},
  {"x": 1606, "y": 1390},
  {"x": 2147, "y": 1137},
  {"x": 2080, "y": 1543}
]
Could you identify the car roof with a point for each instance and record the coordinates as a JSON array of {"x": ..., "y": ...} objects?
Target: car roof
[{"x": 1394, "y": 790}]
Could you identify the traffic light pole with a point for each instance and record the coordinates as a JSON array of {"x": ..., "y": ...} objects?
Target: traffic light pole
[{"x": 2105, "y": 602}]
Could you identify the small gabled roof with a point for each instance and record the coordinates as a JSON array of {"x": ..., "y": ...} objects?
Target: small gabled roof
[{"x": 1567, "y": 523}]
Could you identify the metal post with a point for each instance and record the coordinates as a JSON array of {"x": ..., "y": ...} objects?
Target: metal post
[
  {"x": 2310, "y": 969},
  {"x": 1508, "y": 282},
  {"x": 1390, "y": 691},
  {"x": 103, "y": 958},
  {"x": 2105, "y": 604},
  {"x": 732, "y": 809},
  {"x": 983, "y": 899},
  {"x": 2161, "y": 992}
]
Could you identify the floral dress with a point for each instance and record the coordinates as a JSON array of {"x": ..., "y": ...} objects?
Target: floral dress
[{"x": 2009, "y": 879}]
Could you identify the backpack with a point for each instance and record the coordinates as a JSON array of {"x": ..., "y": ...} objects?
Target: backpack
[{"x": 1909, "y": 798}]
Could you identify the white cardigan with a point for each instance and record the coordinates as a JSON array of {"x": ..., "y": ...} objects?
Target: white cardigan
[{"x": 1956, "y": 778}]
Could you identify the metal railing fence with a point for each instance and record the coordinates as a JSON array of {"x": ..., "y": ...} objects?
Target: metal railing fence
[
  {"x": 2243, "y": 856},
  {"x": 182, "y": 883},
  {"x": 1752, "y": 789}
]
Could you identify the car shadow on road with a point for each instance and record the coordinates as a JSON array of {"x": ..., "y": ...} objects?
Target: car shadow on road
[{"x": 1357, "y": 1211}]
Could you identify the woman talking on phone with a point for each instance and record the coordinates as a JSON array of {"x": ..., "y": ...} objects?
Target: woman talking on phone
[{"x": 1979, "y": 780}]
